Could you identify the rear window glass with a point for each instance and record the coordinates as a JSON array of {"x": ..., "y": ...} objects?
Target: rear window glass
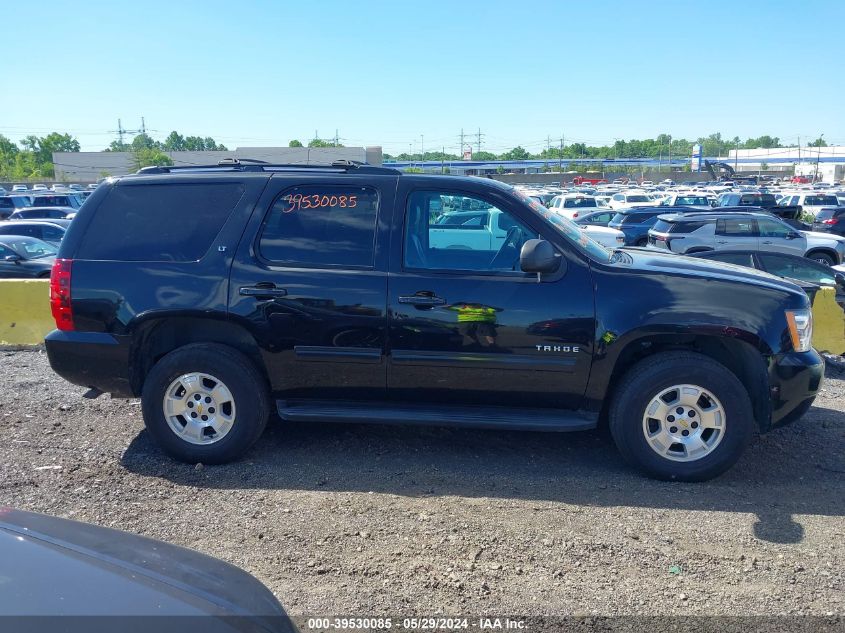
[
  {"x": 662, "y": 226},
  {"x": 322, "y": 225},
  {"x": 6, "y": 203},
  {"x": 166, "y": 223},
  {"x": 825, "y": 214},
  {"x": 821, "y": 200},
  {"x": 52, "y": 201},
  {"x": 574, "y": 203},
  {"x": 633, "y": 218}
]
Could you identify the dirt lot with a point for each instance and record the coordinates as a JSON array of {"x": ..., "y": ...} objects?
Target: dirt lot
[{"x": 387, "y": 520}]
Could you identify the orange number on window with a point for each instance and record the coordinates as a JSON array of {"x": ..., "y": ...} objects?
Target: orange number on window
[
  {"x": 305, "y": 202},
  {"x": 343, "y": 201},
  {"x": 353, "y": 202},
  {"x": 333, "y": 201},
  {"x": 293, "y": 201},
  {"x": 315, "y": 200},
  {"x": 324, "y": 201}
]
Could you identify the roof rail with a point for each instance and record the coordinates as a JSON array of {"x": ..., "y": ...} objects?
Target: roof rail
[{"x": 254, "y": 165}]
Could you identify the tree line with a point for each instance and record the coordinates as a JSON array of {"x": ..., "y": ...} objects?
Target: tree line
[
  {"x": 713, "y": 145},
  {"x": 32, "y": 157}
]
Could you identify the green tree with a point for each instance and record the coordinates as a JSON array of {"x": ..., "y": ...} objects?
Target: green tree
[
  {"x": 43, "y": 147},
  {"x": 144, "y": 141},
  {"x": 482, "y": 155},
  {"x": 174, "y": 142},
  {"x": 295, "y": 143},
  {"x": 819, "y": 142},
  {"x": 517, "y": 153},
  {"x": 318, "y": 142},
  {"x": 148, "y": 156}
]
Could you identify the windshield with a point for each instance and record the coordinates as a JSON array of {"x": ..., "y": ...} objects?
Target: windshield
[
  {"x": 637, "y": 198},
  {"x": 568, "y": 229},
  {"x": 29, "y": 247}
]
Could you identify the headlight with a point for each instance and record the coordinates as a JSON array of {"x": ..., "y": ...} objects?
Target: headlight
[{"x": 800, "y": 329}]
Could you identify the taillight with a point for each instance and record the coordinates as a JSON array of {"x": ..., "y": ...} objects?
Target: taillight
[
  {"x": 831, "y": 221},
  {"x": 574, "y": 215},
  {"x": 60, "y": 294}
]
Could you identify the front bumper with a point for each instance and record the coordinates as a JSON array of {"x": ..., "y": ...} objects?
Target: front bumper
[
  {"x": 794, "y": 381},
  {"x": 91, "y": 359}
]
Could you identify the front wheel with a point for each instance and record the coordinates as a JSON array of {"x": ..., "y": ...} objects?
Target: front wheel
[
  {"x": 205, "y": 402},
  {"x": 822, "y": 258},
  {"x": 681, "y": 416}
]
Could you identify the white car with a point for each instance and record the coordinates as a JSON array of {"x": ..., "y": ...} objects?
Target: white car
[
  {"x": 39, "y": 188},
  {"x": 810, "y": 201},
  {"x": 572, "y": 205},
  {"x": 628, "y": 199},
  {"x": 607, "y": 237},
  {"x": 19, "y": 188}
]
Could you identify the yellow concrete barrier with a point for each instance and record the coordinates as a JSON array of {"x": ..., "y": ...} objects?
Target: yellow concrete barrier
[
  {"x": 828, "y": 322},
  {"x": 25, "y": 316}
]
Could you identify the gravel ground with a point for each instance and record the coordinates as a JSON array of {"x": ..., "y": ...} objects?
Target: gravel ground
[{"x": 360, "y": 520}]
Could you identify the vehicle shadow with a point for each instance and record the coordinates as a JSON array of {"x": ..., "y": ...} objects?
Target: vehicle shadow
[{"x": 792, "y": 471}]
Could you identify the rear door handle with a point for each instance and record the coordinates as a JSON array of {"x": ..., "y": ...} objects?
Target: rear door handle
[
  {"x": 721, "y": 242},
  {"x": 423, "y": 300},
  {"x": 262, "y": 291},
  {"x": 767, "y": 242}
]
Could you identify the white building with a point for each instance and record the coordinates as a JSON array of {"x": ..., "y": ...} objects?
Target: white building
[{"x": 828, "y": 162}]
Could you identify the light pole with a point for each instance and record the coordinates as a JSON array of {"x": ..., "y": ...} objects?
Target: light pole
[
  {"x": 422, "y": 152},
  {"x": 818, "y": 158}
]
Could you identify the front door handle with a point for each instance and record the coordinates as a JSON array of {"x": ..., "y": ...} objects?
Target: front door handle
[
  {"x": 262, "y": 291},
  {"x": 423, "y": 299},
  {"x": 767, "y": 242},
  {"x": 721, "y": 242}
]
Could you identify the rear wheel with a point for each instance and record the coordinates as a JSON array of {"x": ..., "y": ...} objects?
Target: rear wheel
[
  {"x": 205, "y": 403},
  {"x": 681, "y": 415}
]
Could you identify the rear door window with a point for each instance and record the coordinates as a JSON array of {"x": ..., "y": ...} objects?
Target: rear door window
[
  {"x": 168, "y": 222},
  {"x": 743, "y": 227},
  {"x": 322, "y": 226}
]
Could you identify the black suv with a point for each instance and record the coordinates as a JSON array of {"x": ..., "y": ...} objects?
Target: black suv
[{"x": 338, "y": 293}]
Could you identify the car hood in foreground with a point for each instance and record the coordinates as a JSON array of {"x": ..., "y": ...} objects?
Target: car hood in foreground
[
  {"x": 651, "y": 260},
  {"x": 58, "y": 567}
]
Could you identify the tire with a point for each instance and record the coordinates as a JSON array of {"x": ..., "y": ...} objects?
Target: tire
[
  {"x": 244, "y": 403},
  {"x": 638, "y": 391},
  {"x": 822, "y": 258},
  {"x": 642, "y": 242}
]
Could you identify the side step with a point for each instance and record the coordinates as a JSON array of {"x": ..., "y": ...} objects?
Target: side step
[{"x": 436, "y": 415}]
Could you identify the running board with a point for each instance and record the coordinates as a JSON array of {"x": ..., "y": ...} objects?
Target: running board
[{"x": 436, "y": 415}]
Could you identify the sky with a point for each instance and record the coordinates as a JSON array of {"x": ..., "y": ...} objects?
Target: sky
[{"x": 404, "y": 74}]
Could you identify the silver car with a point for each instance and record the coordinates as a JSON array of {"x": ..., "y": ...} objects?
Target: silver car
[{"x": 746, "y": 231}]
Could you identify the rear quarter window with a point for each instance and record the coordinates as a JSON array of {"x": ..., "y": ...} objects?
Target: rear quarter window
[
  {"x": 662, "y": 226},
  {"x": 167, "y": 223}
]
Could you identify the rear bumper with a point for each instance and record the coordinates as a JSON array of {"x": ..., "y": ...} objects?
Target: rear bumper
[
  {"x": 91, "y": 359},
  {"x": 794, "y": 380}
]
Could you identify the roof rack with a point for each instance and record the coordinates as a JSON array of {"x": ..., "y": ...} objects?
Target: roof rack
[{"x": 255, "y": 165}]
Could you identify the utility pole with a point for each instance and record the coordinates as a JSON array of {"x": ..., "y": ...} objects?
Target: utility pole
[
  {"x": 336, "y": 138},
  {"x": 479, "y": 140},
  {"x": 442, "y": 159},
  {"x": 736, "y": 157},
  {"x": 670, "y": 156},
  {"x": 818, "y": 158},
  {"x": 560, "y": 156},
  {"x": 462, "y": 144},
  {"x": 422, "y": 151},
  {"x": 410, "y": 156},
  {"x": 143, "y": 127}
]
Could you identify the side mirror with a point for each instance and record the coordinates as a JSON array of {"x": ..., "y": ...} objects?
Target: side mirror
[
  {"x": 538, "y": 256},
  {"x": 13, "y": 258},
  {"x": 793, "y": 236}
]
